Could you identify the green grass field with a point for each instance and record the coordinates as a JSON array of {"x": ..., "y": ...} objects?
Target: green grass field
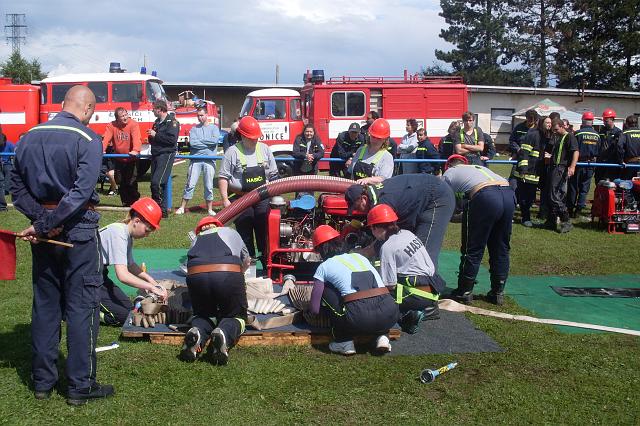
[{"x": 544, "y": 375}]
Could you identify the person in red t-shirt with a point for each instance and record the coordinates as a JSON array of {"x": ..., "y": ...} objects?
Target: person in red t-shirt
[{"x": 124, "y": 135}]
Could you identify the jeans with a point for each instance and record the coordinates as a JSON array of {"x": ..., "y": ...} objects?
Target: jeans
[{"x": 208, "y": 169}]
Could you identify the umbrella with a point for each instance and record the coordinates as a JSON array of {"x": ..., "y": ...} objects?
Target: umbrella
[{"x": 547, "y": 106}]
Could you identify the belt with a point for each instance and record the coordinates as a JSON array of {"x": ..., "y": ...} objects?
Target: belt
[
  {"x": 483, "y": 185},
  {"x": 632, "y": 160},
  {"x": 51, "y": 206},
  {"x": 214, "y": 267},
  {"x": 365, "y": 294},
  {"x": 426, "y": 288}
]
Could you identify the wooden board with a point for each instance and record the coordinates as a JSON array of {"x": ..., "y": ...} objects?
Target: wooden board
[{"x": 259, "y": 338}]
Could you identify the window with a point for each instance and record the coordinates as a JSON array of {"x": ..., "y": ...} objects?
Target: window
[
  {"x": 347, "y": 104},
  {"x": 126, "y": 92},
  {"x": 501, "y": 120},
  {"x": 246, "y": 107},
  {"x": 295, "y": 111},
  {"x": 58, "y": 91},
  {"x": 270, "y": 109},
  {"x": 100, "y": 91},
  {"x": 44, "y": 91},
  {"x": 155, "y": 92}
]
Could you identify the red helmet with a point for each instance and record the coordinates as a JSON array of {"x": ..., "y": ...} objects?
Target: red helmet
[
  {"x": 587, "y": 115},
  {"x": 455, "y": 157},
  {"x": 208, "y": 220},
  {"x": 149, "y": 210},
  {"x": 608, "y": 113},
  {"x": 380, "y": 129},
  {"x": 249, "y": 128},
  {"x": 324, "y": 233},
  {"x": 382, "y": 213}
]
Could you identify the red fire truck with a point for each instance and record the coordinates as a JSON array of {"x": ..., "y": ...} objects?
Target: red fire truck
[
  {"x": 333, "y": 104},
  {"x": 22, "y": 106}
]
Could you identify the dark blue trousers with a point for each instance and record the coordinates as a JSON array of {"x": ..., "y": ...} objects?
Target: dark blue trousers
[
  {"x": 161, "y": 165},
  {"x": 114, "y": 304},
  {"x": 486, "y": 222},
  {"x": 578, "y": 188},
  {"x": 433, "y": 221},
  {"x": 66, "y": 286},
  {"x": 526, "y": 195}
]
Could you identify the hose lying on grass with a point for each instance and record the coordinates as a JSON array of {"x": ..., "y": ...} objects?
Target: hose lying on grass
[{"x": 453, "y": 306}]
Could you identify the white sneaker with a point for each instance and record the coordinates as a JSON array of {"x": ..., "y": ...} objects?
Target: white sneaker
[
  {"x": 179, "y": 211},
  {"x": 212, "y": 213},
  {"x": 344, "y": 348},
  {"x": 219, "y": 347},
  {"x": 382, "y": 344}
]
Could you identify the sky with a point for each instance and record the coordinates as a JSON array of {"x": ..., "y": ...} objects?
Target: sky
[{"x": 231, "y": 42}]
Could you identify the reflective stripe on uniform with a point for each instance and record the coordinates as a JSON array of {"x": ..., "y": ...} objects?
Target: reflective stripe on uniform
[
  {"x": 413, "y": 292},
  {"x": 56, "y": 127},
  {"x": 243, "y": 158}
]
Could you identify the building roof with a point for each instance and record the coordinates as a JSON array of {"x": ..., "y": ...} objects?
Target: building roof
[{"x": 552, "y": 91}]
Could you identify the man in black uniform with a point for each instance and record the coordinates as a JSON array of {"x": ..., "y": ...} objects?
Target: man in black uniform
[
  {"x": 163, "y": 138},
  {"x": 629, "y": 147},
  {"x": 579, "y": 184},
  {"x": 563, "y": 165},
  {"x": 515, "y": 141},
  {"x": 53, "y": 184},
  {"x": 347, "y": 143},
  {"x": 424, "y": 204},
  {"x": 609, "y": 136}
]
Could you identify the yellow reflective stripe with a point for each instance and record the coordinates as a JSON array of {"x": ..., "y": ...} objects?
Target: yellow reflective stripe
[
  {"x": 532, "y": 178},
  {"x": 560, "y": 148},
  {"x": 526, "y": 147},
  {"x": 415, "y": 292},
  {"x": 535, "y": 154},
  {"x": 586, "y": 133},
  {"x": 359, "y": 261},
  {"x": 328, "y": 305},
  {"x": 242, "y": 324},
  {"x": 523, "y": 163},
  {"x": 399, "y": 293},
  {"x": 631, "y": 131},
  {"x": 356, "y": 259},
  {"x": 373, "y": 196},
  {"x": 475, "y": 135},
  {"x": 53, "y": 126},
  {"x": 243, "y": 159}
]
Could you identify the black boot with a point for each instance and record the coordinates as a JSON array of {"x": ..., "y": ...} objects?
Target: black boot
[
  {"x": 464, "y": 292},
  {"x": 496, "y": 294},
  {"x": 431, "y": 312},
  {"x": 550, "y": 223}
]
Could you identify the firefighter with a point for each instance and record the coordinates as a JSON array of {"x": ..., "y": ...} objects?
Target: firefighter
[
  {"x": 530, "y": 165},
  {"x": 515, "y": 141},
  {"x": 406, "y": 269},
  {"x": 423, "y": 203},
  {"x": 470, "y": 140},
  {"x": 372, "y": 163},
  {"x": 232, "y": 137},
  {"x": 307, "y": 151},
  {"x": 346, "y": 145},
  {"x": 609, "y": 136},
  {"x": 163, "y": 137},
  {"x": 55, "y": 189},
  {"x": 392, "y": 145},
  {"x": 426, "y": 151},
  {"x": 445, "y": 149},
  {"x": 629, "y": 146},
  {"x": 215, "y": 278},
  {"x": 488, "y": 204},
  {"x": 564, "y": 157},
  {"x": 407, "y": 148},
  {"x": 489, "y": 149},
  {"x": 246, "y": 166},
  {"x": 352, "y": 293},
  {"x": 116, "y": 243},
  {"x": 578, "y": 184}
]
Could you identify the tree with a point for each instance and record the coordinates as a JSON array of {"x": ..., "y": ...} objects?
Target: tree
[
  {"x": 478, "y": 29},
  {"x": 21, "y": 70},
  {"x": 532, "y": 34},
  {"x": 600, "y": 45}
]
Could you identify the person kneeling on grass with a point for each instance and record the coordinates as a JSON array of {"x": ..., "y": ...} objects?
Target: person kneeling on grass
[
  {"x": 405, "y": 266},
  {"x": 215, "y": 277},
  {"x": 116, "y": 242},
  {"x": 353, "y": 294}
]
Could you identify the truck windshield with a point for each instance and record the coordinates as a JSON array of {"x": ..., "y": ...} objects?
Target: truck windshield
[
  {"x": 155, "y": 92},
  {"x": 246, "y": 106}
]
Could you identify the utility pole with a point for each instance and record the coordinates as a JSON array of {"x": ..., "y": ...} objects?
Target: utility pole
[
  {"x": 277, "y": 74},
  {"x": 15, "y": 30}
]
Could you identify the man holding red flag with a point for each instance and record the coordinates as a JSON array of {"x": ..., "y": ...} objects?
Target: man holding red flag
[{"x": 53, "y": 183}]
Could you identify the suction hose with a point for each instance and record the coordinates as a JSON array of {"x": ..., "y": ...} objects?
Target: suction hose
[{"x": 283, "y": 186}]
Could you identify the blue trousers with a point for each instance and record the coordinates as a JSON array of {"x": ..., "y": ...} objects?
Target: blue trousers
[
  {"x": 578, "y": 188},
  {"x": 486, "y": 222},
  {"x": 433, "y": 221},
  {"x": 66, "y": 286}
]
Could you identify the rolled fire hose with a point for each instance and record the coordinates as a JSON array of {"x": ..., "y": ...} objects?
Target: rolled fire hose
[
  {"x": 283, "y": 186},
  {"x": 453, "y": 306}
]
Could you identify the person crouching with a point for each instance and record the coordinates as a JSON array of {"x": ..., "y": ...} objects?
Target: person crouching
[
  {"x": 353, "y": 294},
  {"x": 215, "y": 277}
]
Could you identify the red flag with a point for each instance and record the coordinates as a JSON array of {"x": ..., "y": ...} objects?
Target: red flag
[{"x": 7, "y": 255}]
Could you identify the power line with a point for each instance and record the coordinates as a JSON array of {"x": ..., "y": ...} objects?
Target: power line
[{"x": 15, "y": 30}]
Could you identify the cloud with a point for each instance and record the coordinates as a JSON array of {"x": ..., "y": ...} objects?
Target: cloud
[{"x": 314, "y": 12}]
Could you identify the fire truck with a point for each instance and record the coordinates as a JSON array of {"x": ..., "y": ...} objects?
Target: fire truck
[
  {"x": 331, "y": 105},
  {"x": 22, "y": 106}
]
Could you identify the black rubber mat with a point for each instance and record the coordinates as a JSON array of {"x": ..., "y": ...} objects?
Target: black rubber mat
[
  {"x": 597, "y": 292},
  {"x": 452, "y": 333}
]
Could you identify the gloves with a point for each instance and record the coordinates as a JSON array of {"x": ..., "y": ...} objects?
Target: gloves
[{"x": 147, "y": 313}]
